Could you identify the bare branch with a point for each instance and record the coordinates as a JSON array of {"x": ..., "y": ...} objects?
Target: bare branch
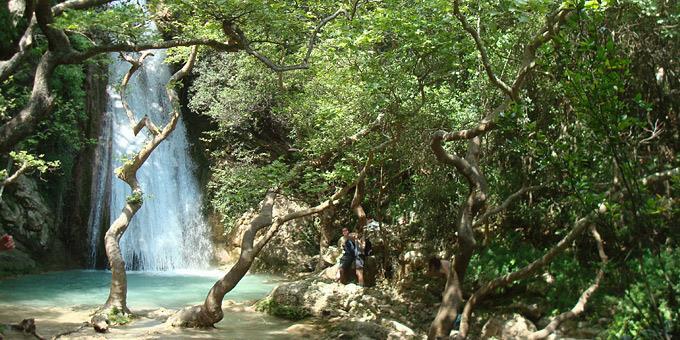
[
  {"x": 509, "y": 200},
  {"x": 77, "y": 4},
  {"x": 661, "y": 176},
  {"x": 56, "y": 38},
  {"x": 13, "y": 177},
  {"x": 332, "y": 201},
  {"x": 78, "y": 57},
  {"x": 552, "y": 26},
  {"x": 527, "y": 271},
  {"x": 136, "y": 64},
  {"x": 39, "y": 104},
  {"x": 461, "y": 164},
  {"x": 7, "y": 67}
]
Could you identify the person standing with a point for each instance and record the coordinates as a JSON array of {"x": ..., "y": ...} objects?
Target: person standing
[{"x": 350, "y": 258}]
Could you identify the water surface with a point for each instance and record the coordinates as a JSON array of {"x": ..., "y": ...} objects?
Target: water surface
[{"x": 145, "y": 289}]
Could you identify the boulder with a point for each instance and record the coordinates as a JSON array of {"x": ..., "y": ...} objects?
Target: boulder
[
  {"x": 25, "y": 215},
  {"x": 315, "y": 297},
  {"x": 507, "y": 326},
  {"x": 399, "y": 330},
  {"x": 291, "y": 250}
]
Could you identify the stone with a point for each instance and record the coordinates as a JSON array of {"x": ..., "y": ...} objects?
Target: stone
[
  {"x": 302, "y": 330},
  {"x": 100, "y": 323},
  {"x": 289, "y": 251},
  {"x": 26, "y": 216},
  {"x": 507, "y": 326},
  {"x": 400, "y": 331}
]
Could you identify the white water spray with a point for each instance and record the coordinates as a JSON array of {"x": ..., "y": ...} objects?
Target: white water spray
[{"x": 169, "y": 231}]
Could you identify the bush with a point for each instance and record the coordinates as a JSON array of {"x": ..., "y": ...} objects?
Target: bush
[
  {"x": 269, "y": 306},
  {"x": 649, "y": 308}
]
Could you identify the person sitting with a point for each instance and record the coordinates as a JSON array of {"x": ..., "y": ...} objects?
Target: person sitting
[{"x": 6, "y": 243}]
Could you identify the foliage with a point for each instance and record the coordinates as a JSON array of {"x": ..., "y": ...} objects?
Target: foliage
[
  {"x": 269, "y": 306},
  {"x": 23, "y": 158},
  {"x": 117, "y": 317},
  {"x": 649, "y": 308},
  {"x": 136, "y": 198}
]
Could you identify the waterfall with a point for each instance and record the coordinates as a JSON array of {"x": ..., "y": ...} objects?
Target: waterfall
[{"x": 169, "y": 231}]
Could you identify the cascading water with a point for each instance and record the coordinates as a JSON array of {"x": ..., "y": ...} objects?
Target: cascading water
[{"x": 169, "y": 231}]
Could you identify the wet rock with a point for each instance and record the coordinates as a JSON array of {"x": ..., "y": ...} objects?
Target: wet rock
[
  {"x": 301, "y": 330},
  {"x": 507, "y": 326},
  {"x": 26, "y": 216},
  {"x": 317, "y": 298}
]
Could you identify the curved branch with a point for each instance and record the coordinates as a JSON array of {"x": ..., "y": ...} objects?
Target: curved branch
[
  {"x": 509, "y": 200},
  {"x": 7, "y": 67},
  {"x": 552, "y": 26},
  {"x": 39, "y": 104},
  {"x": 237, "y": 34},
  {"x": 461, "y": 164},
  {"x": 13, "y": 177},
  {"x": 210, "y": 312},
  {"x": 128, "y": 173},
  {"x": 522, "y": 273},
  {"x": 56, "y": 38},
  {"x": 77, "y": 4},
  {"x": 482, "y": 51},
  {"x": 136, "y": 126},
  {"x": 581, "y": 303},
  {"x": 78, "y": 56}
]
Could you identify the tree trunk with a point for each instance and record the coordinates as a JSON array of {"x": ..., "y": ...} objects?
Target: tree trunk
[
  {"x": 325, "y": 235},
  {"x": 210, "y": 312},
  {"x": 128, "y": 173},
  {"x": 118, "y": 292}
]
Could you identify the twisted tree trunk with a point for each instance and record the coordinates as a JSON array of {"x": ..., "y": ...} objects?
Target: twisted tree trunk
[
  {"x": 210, "y": 312},
  {"x": 471, "y": 212},
  {"x": 128, "y": 173}
]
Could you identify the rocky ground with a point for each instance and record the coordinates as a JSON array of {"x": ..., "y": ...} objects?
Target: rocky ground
[{"x": 335, "y": 311}]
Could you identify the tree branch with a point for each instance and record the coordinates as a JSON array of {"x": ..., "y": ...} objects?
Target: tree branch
[
  {"x": 482, "y": 51},
  {"x": 461, "y": 164},
  {"x": 7, "y": 67},
  {"x": 77, "y": 4},
  {"x": 237, "y": 34},
  {"x": 581, "y": 303},
  {"x": 522, "y": 273},
  {"x": 509, "y": 200},
  {"x": 134, "y": 124},
  {"x": 77, "y": 57}
]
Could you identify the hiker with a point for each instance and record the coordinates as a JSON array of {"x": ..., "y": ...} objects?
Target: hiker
[
  {"x": 6, "y": 243},
  {"x": 359, "y": 259},
  {"x": 350, "y": 258}
]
